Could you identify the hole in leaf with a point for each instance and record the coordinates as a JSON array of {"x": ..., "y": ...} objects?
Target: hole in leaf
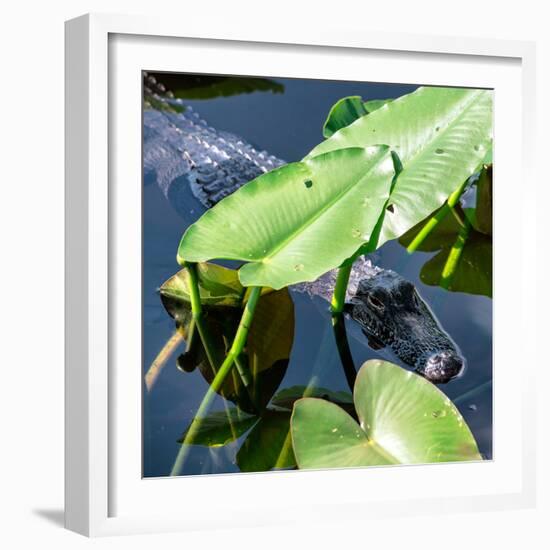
[
  {"x": 390, "y": 208},
  {"x": 308, "y": 184},
  {"x": 439, "y": 151}
]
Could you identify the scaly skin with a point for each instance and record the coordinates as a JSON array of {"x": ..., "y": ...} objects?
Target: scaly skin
[{"x": 392, "y": 313}]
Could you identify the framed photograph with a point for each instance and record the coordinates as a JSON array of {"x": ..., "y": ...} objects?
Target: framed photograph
[{"x": 288, "y": 283}]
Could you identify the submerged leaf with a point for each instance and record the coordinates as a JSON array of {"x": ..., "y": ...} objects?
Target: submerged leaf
[
  {"x": 268, "y": 446},
  {"x": 270, "y": 337},
  {"x": 404, "y": 419},
  {"x": 218, "y": 286},
  {"x": 286, "y": 397},
  {"x": 220, "y": 427},
  {"x": 484, "y": 201},
  {"x": 474, "y": 272}
]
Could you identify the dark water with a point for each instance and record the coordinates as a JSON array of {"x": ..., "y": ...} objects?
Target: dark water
[{"x": 288, "y": 125}]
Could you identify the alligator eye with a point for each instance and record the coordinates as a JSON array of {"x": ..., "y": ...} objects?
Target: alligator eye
[{"x": 374, "y": 302}]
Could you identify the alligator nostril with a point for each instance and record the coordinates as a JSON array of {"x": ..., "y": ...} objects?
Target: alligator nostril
[{"x": 443, "y": 366}]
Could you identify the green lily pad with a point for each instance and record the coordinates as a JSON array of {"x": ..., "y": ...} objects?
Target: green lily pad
[{"x": 404, "y": 419}]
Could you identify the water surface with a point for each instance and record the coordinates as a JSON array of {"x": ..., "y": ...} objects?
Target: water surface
[{"x": 288, "y": 125}]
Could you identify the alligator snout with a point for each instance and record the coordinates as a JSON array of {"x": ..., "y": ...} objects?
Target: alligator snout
[
  {"x": 392, "y": 313},
  {"x": 441, "y": 367}
]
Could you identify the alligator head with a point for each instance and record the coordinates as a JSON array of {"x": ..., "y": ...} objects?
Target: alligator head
[{"x": 392, "y": 313}]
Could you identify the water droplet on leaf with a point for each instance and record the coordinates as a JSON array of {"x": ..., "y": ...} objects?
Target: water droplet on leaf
[{"x": 298, "y": 267}]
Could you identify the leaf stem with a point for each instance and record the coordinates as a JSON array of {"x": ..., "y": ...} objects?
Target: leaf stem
[
  {"x": 196, "y": 308},
  {"x": 455, "y": 253},
  {"x": 434, "y": 221},
  {"x": 344, "y": 351},
  {"x": 339, "y": 294},
  {"x": 197, "y": 312},
  {"x": 236, "y": 348},
  {"x": 337, "y": 308}
]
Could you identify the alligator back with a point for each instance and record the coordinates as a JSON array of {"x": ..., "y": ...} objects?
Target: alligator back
[{"x": 177, "y": 142}]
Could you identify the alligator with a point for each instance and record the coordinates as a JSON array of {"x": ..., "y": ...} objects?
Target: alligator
[{"x": 183, "y": 153}]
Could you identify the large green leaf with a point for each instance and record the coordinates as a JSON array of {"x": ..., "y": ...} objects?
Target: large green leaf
[
  {"x": 270, "y": 337},
  {"x": 441, "y": 135},
  {"x": 404, "y": 419},
  {"x": 297, "y": 222},
  {"x": 375, "y": 104}
]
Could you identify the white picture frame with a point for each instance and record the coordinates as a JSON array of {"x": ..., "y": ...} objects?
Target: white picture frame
[{"x": 104, "y": 57}]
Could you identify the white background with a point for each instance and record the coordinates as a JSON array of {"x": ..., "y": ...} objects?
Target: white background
[
  {"x": 31, "y": 218},
  {"x": 315, "y": 492}
]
